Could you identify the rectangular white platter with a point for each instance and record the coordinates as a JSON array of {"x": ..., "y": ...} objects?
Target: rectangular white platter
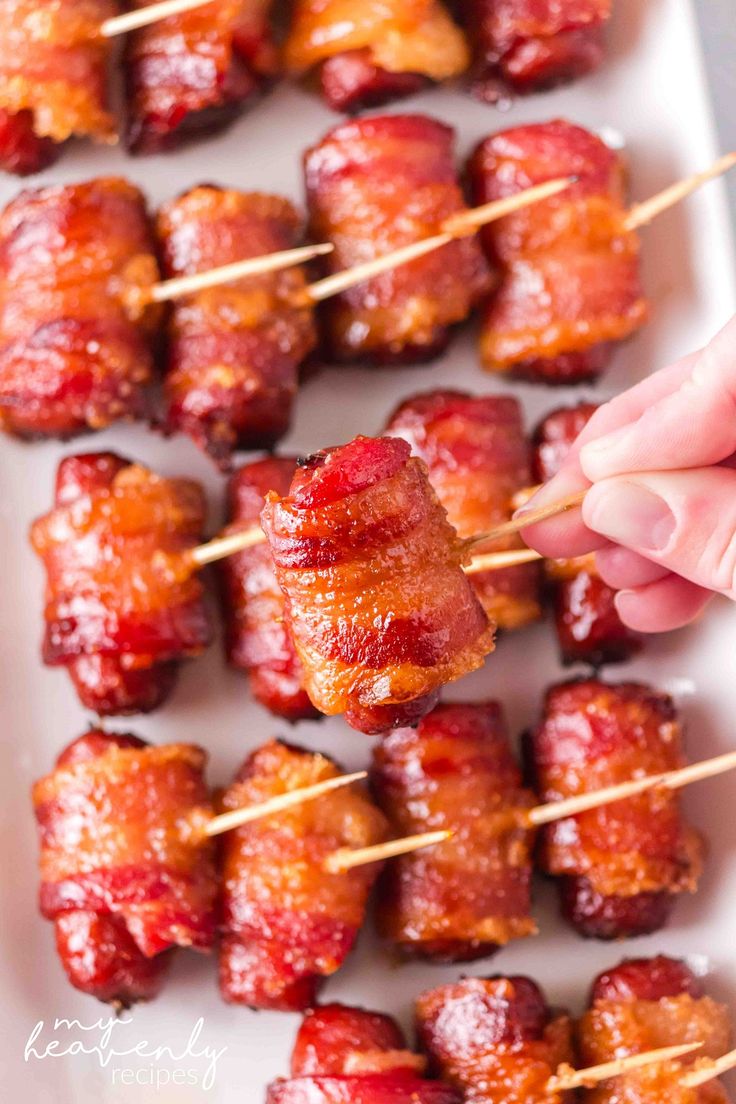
[{"x": 652, "y": 91}]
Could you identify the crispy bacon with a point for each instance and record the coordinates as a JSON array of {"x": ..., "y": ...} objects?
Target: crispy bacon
[
  {"x": 374, "y": 185},
  {"x": 461, "y": 899},
  {"x": 347, "y": 1055},
  {"x": 368, "y": 52},
  {"x": 642, "y": 1004},
  {"x": 381, "y": 611},
  {"x": 53, "y": 79},
  {"x": 620, "y": 866},
  {"x": 120, "y": 610},
  {"x": 570, "y": 286},
  {"x": 288, "y": 924},
  {"x": 496, "y": 1039},
  {"x": 233, "y": 351},
  {"x": 120, "y": 880},
  {"x": 478, "y": 459},
  {"x": 258, "y": 640},
  {"x": 589, "y": 629},
  {"x": 193, "y": 74},
  {"x": 74, "y": 347},
  {"x": 522, "y": 46}
]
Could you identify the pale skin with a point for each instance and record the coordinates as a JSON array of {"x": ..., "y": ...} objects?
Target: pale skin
[{"x": 660, "y": 462}]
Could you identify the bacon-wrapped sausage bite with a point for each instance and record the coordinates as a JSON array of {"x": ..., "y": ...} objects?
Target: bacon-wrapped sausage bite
[
  {"x": 589, "y": 629},
  {"x": 119, "y": 877},
  {"x": 119, "y": 615},
  {"x": 461, "y": 899},
  {"x": 371, "y": 51},
  {"x": 192, "y": 74},
  {"x": 570, "y": 286},
  {"x": 642, "y": 1004},
  {"x": 258, "y": 640},
  {"x": 233, "y": 351},
  {"x": 374, "y": 185},
  {"x": 344, "y": 1054},
  {"x": 288, "y": 924},
  {"x": 53, "y": 79},
  {"x": 478, "y": 459},
  {"x": 74, "y": 348},
  {"x": 620, "y": 866},
  {"x": 495, "y": 1038},
  {"x": 522, "y": 46},
  {"x": 381, "y": 611}
]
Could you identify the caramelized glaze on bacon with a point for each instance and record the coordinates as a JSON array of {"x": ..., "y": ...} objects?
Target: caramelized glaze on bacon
[
  {"x": 381, "y": 611},
  {"x": 461, "y": 899},
  {"x": 347, "y": 1055},
  {"x": 119, "y": 878},
  {"x": 372, "y": 51},
  {"x": 589, "y": 629},
  {"x": 522, "y": 46},
  {"x": 74, "y": 349},
  {"x": 496, "y": 1039},
  {"x": 193, "y": 73},
  {"x": 478, "y": 459},
  {"x": 620, "y": 866},
  {"x": 642, "y": 1004},
  {"x": 120, "y": 612},
  {"x": 53, "y": 78},
  {"x": 234, "y": 351},
  {"x": 288, "y": 923},
  {"x": 570, "y": 286},
  {"x": 258, "y": 640},
  {"x": 374, "y": 185}
]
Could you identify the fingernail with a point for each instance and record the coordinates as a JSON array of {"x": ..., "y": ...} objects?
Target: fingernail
[
  {"x": 629, "y": 514},
  {"x": 560, "y": 486},
  {"x": 595, "y": 452}
]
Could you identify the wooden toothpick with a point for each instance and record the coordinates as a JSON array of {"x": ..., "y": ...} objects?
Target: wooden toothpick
[
  {"x": 706, "y": 1069},
  {"x": 141, "y": 17},
  {"x": 496, "y": 561},
  {"x": 457, "y": 226},
  {"x": 567, "y": 1078},
  {"x": 669, "y": 780},
  {"x": 234, "y": 818},
  {"x": 346, "y": 858},
  {"x": 238, "y": 270},
  {"x": 642, "y": 213},
  {"x": 529, "y": 517}
]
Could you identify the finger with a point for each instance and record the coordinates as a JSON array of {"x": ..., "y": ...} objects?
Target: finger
[
  {"x": 567, "y": 536},
  {"x": 659, "y": 607},
  {"x": 684, "y": 520},
  {"x": 623, "y": 569},
  {"x": 694, "y": 426}
]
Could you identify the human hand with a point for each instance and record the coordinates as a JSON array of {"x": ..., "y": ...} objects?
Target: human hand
[{"x": 661, "y": 510}]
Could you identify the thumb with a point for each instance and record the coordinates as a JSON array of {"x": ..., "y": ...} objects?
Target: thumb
[{"x": 683, "y": 520}]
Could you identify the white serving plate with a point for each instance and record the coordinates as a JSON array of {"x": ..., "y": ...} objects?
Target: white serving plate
[{"x": 653, "y": 92}]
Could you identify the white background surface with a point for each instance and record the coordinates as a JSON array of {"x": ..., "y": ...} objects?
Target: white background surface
[{"x": 652, "y": 91}]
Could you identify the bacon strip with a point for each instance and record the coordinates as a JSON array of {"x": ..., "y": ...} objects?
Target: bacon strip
[
  {"x": 570, "y": 286},
  {"x": 193, "y": 74},
  {"x": 234, "y": 351},
  {"x": 522, "y": 46},
  {"x": 462, "y": 899},
  {"x": 642, "y": 1004},
  {"x": 368, "y": 52},
  {"x": 118, "y": 878},
  {"x": 589, "y": 629},
  {"x": 344, "y": 1054},
  {"x": 120, "y": 614},
  {"x": 288, "y": 924},
  {"x": 478, "y": 459},
  {"x": 380, "y": 609},
  {"x": 621, "y": 866},
  {"x": 74, "y": 346},
  {"x": 496, "y": 1039},
  {"x": 375, "y": 185},
  {"x": 258, "y": 640},
  {"x": 53, "y": 79}
]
